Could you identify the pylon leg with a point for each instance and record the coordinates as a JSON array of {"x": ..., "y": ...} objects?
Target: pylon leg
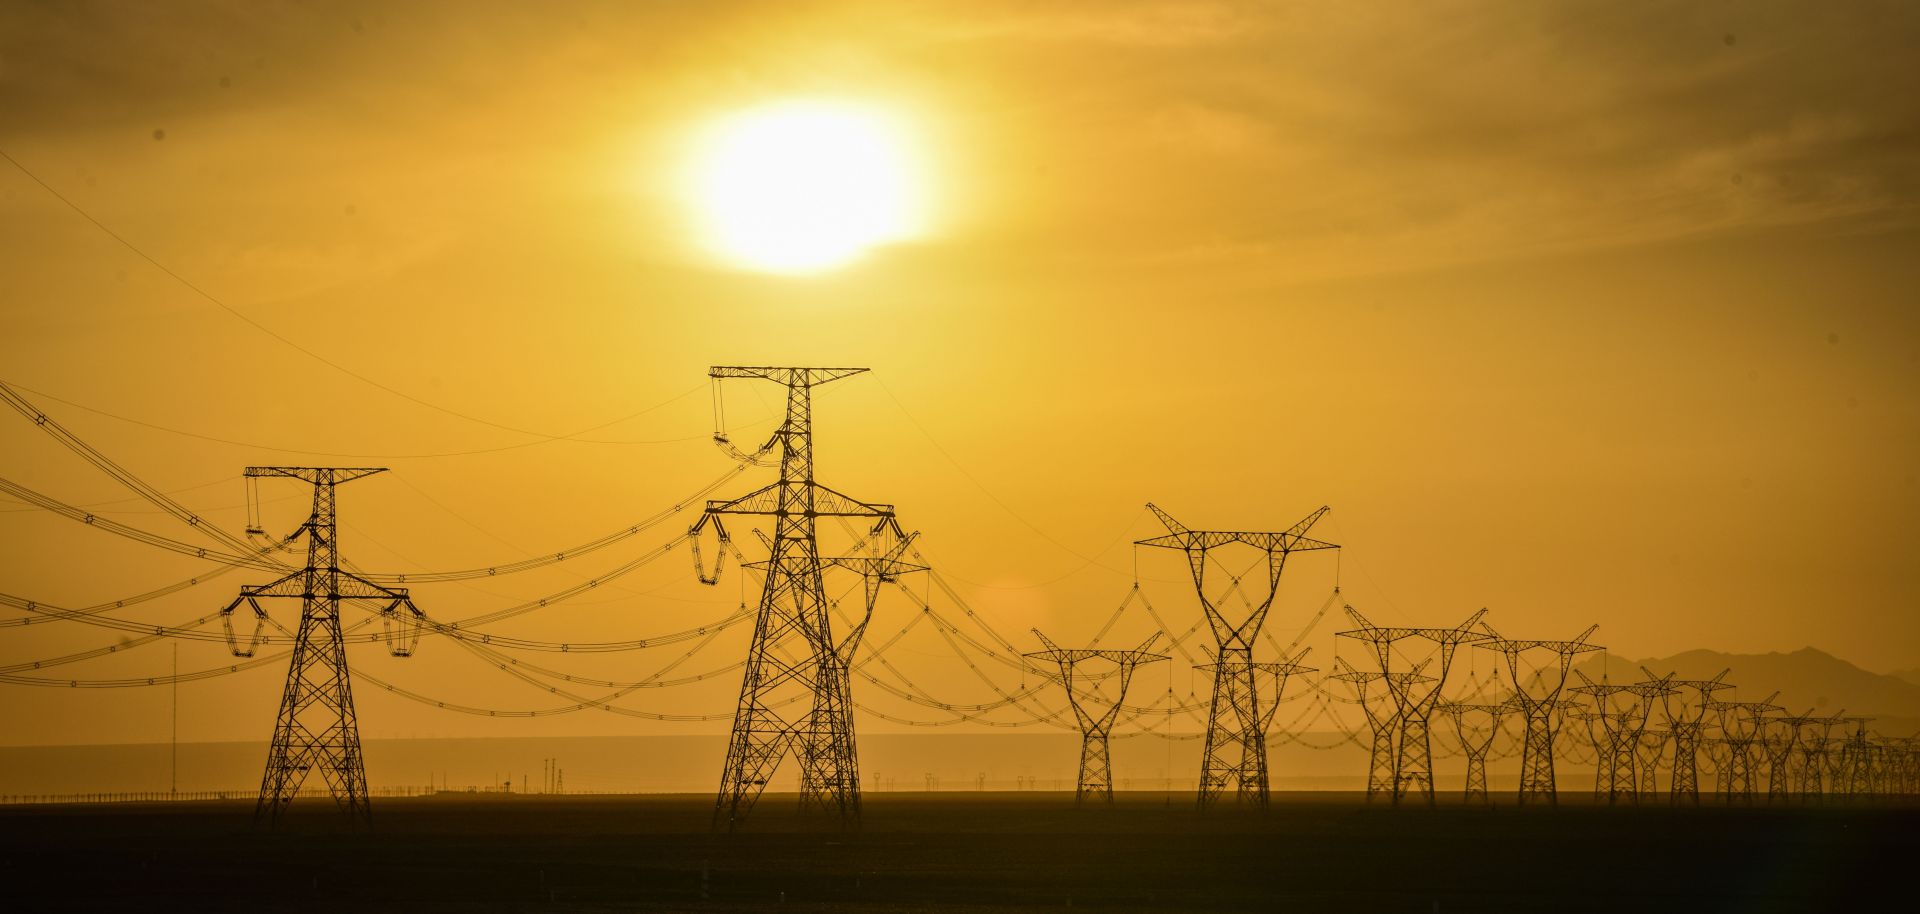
[
  {"x": 316, "y": 726},
  {"x": 1476, "y": 776},
  {"x": 1380, "y": 776},
  {"x": 1685, "y": 786},
  {"x": 1620, "y": 769},
  {"x": 1536, "y": 759},
  {"x": 1235, "y": 751},
  {"x": 1096, "y": 769},
  {"x": 1415, "y": 774}
]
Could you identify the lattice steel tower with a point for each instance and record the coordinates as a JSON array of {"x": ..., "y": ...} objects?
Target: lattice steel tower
[
  {"x": 794, "y": 661},
  {"x": 1413, "y": 765},
  {"x": 1622, "y": 712},
  {"x": 316, "y": 727},
  {"x": 1096, "y": 762},
  {"x": 1741, "y": 722},
  {"x": 1235, "y": 754},
  {"x": 1476, "y": 741},
  {"x": 1686, "y": 725},
  {"x": 1383, "y": 722},
  {"x": 1538, "y": 705}
]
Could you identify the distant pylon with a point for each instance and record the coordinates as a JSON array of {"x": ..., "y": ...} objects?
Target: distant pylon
[
  {"x": 1096, "y": 723},
  {"x": 1685, "y": 717},
  {"x": 1740, "y": 725},
  {"x": 1413, "y": 764},
  {"x": 1383, "y": 721},
  {"x": 1235, "y": 754},
  {"x": 1856, "y": 760},
  {"x": 1597, "y": 740},
  {"x": 1815, "y": 738},
  {"x": 1622, "y": 712},
  {"x": 794, "y": 660},
  {"x": 1537, "y": 706},
  {"x": 1779, "y": 739},
  {"x": 316, "y": 726},
  {"x": 1476, "y": 741}
]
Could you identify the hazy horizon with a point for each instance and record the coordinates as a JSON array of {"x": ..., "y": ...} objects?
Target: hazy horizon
[{"x": 1582, "y": 313}]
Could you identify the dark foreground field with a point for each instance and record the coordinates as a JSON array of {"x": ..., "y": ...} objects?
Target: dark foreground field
[{"x": 956, "y": 852}]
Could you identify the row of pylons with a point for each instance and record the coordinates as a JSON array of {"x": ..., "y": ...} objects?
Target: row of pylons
[{"x": 1635, "y": 731}]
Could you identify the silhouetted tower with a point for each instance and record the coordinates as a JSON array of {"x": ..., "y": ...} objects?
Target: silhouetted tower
[
  {"x": 1372, "y": 694},
  {"x": 1685, "y": 717},
  {"x": 1477, "y": 725},
  {"x": 1413, "y": 764},
  {"x": 1652, "y": 749},
  {"x": 1740, "y": 725},
  {"x": 1096, "y": 763},
  {"x": 1235, "y": 754},
  {"x": 1814, "y": 739},
  {"x": 795, "y": 661},
  {"x": 1648, "y": 745},
  {"x": 1856, "y": 760},
  {"x": 1905, "y": 763},
  {"x": 1597, "y": 740},
  {"x": 1613, "y": 730},
  {"x": 1779, "y": 737},
  {"x": 316, "y": 727},
  {"x": 1537, "y": 704}
]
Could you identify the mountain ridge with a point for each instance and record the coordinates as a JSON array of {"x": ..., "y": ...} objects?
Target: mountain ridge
[{"x": 1807, "y": 679}]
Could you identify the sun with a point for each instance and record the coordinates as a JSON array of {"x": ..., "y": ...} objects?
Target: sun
[{"x": 805, "y": 186}]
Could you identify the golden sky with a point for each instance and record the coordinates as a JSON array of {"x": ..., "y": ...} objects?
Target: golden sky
[{"x": 1587, "y": 312}]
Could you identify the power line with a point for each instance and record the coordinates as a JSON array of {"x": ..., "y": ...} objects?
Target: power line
[
  {"x": 289, "y": 343},
  {"x": 574, "y": 437}
]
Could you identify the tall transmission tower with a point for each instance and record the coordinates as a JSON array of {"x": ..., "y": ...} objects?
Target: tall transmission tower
[
  {"x": 316, "y": 727},
  {"x": 1537, "y": 704},
  {"x": 1476, "y": 740},
  {"x": 1382, "y": 724},
  {"x": 794, "y": 659},
  {"x": 1413, "y": 764},
  {"x": 1685, "y": 717},
  {"x": 1096, "y": 723},
  {"x": 1235, "y": 753},
  {"x": 1856, "y": 760},
  {"x": 1815, "y": 738},
  {"x": 1779, "y": 738},
  {"x": 1741, "y": 723},
  {"x": 1622, "y": 712}
]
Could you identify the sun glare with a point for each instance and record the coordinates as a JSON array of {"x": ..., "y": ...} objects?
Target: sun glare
[{"x": 803, "y": 187}]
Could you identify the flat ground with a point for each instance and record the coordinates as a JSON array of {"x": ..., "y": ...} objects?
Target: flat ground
[{"x": 955, "y": 852}]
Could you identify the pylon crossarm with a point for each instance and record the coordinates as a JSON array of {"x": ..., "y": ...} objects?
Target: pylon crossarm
[
  {"x": 293, "y": 584},
  {"x": 803, "y": 377},
  {"x": 315, "y": 475},
  {"x": 824, "y": 502}
]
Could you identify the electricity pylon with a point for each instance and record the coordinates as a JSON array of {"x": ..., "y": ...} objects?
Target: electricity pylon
[
  {"x": 1740, "y": 724},
  {"x": 1856, "y": 760},
  {"x": 1622, "y": 711},
  {"x": 1476, "y": 741},
  {"x": 316, "y": 727},
  {"x": 1537, "y": 706},
  {"x": 1596, "y": 737},
  {"x": 1096, "y": 764},
  {"x": 1235, "y": 754},
  {"x": 1651, "y": 749},
  {"x": 1383, "y": 722},
  {"x": 1779, "y": 737},
  {"x": 1413, "y": 764},
  {"x": 1814, "y": 739},
  {"x": 795, "y": 659},
  {"x": 1685, "y": 717}
]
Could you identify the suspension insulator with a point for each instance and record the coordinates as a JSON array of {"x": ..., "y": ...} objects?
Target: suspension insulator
[
  {"x": 253, "y": 641},
  {"x": 400, "y": 630},
  {"x": 699, "y": 563}
]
